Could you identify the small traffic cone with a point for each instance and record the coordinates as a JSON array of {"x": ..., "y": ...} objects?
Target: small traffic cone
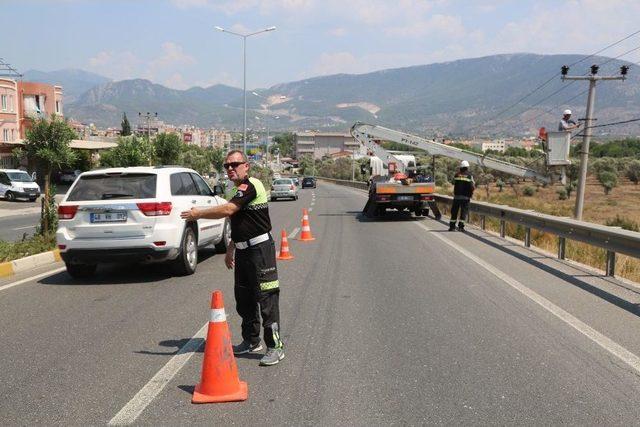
[
  {"x": 305, "y": 235},
  {"x": 284, "y": 253},
  {"x": 219, "y": 381}
]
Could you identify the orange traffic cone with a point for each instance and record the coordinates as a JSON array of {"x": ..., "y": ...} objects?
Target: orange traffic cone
[
  {"x": 219, "y": 381},
  {"x": 284, "y": 253},
  {"x": 305, "y": 235}
]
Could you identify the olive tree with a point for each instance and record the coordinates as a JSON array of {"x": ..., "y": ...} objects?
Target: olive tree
[{"x": 47, "y": 144}]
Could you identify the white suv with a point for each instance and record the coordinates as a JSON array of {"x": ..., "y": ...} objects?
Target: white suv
[{"x": 133, "y": 215}]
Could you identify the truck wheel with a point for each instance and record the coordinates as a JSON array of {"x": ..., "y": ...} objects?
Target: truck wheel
[
  {"x": 417, "y": 211},
  {"x": 9, "y": 196},
  {"x": 81, "y": 271},
  {"x": 187, "y": 261},
  {"x": 425, "y": 212}
]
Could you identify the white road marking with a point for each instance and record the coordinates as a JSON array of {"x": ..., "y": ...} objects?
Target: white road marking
[
  {"x": 132, "y": 410},
  {"x": 24, "y": 228},
  {"x": 29, "y": 279},
  {"x": 603, "y": 341},
  {"x": 293, "y": 233}
]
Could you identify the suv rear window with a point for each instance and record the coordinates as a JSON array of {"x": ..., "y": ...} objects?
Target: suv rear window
[
  {"x": 282, "y": 182},
  {"x": 114, "y": 186}
]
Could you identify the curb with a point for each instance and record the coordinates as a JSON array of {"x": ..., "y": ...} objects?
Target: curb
[{"x": 10, "y": 268}]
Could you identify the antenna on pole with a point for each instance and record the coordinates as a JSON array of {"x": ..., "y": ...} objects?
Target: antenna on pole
[{"x": 6, "y": 70}]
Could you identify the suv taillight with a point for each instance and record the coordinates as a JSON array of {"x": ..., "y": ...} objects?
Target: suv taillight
[
  {"x": 67, "y": 212},
  {"x": 155, "y": 209}
]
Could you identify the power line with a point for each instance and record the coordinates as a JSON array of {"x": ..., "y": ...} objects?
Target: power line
[{"x": 551, "y": 79}]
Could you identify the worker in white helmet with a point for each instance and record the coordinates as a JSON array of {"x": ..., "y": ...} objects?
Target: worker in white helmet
[
  {"x": 463, "y": 186},
  {"x": 566, "y": 124}
]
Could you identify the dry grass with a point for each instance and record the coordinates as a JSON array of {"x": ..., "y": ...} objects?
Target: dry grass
[{"x": 623, "y": 202}]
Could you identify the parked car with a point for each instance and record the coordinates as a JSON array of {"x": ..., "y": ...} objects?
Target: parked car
[
  {"x": 133, "y": 215},
  {"x": 68, "y": 176},
  {"x": 284, "y": 188},
  {"x": 309, "y": 181},
  {"x": 17, "y": 184}
]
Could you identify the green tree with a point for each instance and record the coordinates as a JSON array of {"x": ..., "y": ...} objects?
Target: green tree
[
  {"x": 47, "y": 144},
  {"x": 216, "y": 157},
  {"x": 306, "y": 164},
  {"x": 570, "y": 186},
  {"x": 633, "y": 171},
  {"x": 500, "y": 185},
  {"x": 131, "y": 151},
  {"x": 195, "y": 158},
  {"x": 562, "y": 193},
  {"x": 485, "y": 179},
  {"x": 285, "y": 143},
  {"x": 126, "y": 127},
  {"x": 513, "y": 183},
  {"x": 608, "y": 179},
  {"x": 167, "y": 148}
]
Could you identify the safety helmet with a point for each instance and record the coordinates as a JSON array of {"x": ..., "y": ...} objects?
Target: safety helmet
[
  {"x": 464, "y": 164},
  {"x": 567, "y": 112}
]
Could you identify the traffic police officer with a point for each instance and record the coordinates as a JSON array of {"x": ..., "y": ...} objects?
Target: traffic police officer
[
  {"x": 252, "y": 252},
  {"x": 463, "y": 186}
]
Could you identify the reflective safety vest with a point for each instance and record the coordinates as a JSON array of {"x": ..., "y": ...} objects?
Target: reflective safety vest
[{"x": 463, "y": 185}]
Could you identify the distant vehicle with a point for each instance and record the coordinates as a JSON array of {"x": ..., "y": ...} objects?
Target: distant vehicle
[
  {"x": 69, "y": 176},
  {"x": 17, "y": 184},
  {"x": 309, "y": 181},
  {"x": 133, "y": 215},
  {"x": 284, "y": 188},
  {"x": 277, "y": 176}
]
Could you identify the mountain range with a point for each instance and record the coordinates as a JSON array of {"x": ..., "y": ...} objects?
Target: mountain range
[{"x": 499, "y": 95}]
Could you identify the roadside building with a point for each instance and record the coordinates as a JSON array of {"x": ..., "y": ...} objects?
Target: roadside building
[
  {"x": 20, "y": 101},
  {"x": 498, "y": 145},
  {"x": 320, "y": 144}
]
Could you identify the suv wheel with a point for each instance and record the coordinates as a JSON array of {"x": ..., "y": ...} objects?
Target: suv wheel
[
  {"x": 187, "y": 261},
  {"x": 221, "y": 247},
  {"x": 81, "y": 271},
  {"x": 9, "y": 196}
]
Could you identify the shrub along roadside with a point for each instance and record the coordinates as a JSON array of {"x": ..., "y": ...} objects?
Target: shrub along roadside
[{"x": 10, "y": 251}]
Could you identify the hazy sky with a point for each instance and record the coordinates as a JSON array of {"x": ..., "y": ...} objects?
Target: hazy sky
[{"x": 173, "y": 42}]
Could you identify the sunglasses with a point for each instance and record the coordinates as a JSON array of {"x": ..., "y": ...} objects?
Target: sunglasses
[{"x": 233, "y": 164}]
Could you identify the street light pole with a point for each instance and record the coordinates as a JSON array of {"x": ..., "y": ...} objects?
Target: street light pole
[{"x": 244, "y": 67}]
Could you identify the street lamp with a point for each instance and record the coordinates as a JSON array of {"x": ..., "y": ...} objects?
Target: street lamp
[{"x": 244, "y": 66}]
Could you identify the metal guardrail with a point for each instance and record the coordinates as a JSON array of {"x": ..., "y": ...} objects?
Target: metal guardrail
[{"x": 612, "y": 239}]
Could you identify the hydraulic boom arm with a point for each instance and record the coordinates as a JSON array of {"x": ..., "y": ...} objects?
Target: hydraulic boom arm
[{"x": 369, "y": 134}]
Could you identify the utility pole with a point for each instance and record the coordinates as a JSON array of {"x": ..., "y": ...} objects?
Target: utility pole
[
  {"x": 148, "y": 117},
  {"x": 353, "y": 165},
  {"x": 586, "y": 135}
]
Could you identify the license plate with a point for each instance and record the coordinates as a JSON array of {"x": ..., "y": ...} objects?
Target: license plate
[
  {"x": 108, "y": 217},
  {"x": 405, "y": 198}
]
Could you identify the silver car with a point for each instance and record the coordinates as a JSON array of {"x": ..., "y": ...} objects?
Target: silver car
[{"x": 284, "y": 188}]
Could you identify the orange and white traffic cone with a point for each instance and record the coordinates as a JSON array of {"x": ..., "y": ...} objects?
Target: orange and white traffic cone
[
  {"x": 284, "y": 253},
  {"x": 305, "y": 235},
  {"x": 219, "y": 381}
]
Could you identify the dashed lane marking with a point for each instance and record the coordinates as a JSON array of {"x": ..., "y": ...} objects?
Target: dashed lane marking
[
  {"x": 32, "y": 278},
  {"x": 293, "y": 233},
  {"x": 132, "y": 410}
]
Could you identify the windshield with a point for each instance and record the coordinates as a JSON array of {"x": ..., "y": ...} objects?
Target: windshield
[
  {"x": 19, "y": 177},
  {"x": 282, "y": 182},
  {"x": 105, "y": 187}
]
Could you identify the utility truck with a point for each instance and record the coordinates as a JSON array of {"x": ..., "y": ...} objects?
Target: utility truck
[{"x": 394, "y": 186}]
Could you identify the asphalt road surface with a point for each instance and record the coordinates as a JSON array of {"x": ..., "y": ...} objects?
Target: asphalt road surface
[{"x": 385, "y": 322}]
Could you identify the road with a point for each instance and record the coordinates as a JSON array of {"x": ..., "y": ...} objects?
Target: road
[
  {"x": 21, "y": 217},
  {"x": 385, "y": 322}
]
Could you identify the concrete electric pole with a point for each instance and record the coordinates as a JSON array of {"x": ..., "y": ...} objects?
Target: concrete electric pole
[{"x": 586, "y": 135}]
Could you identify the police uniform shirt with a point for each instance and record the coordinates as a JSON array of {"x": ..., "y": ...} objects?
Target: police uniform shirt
[{"x": 253, "y": 217}]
